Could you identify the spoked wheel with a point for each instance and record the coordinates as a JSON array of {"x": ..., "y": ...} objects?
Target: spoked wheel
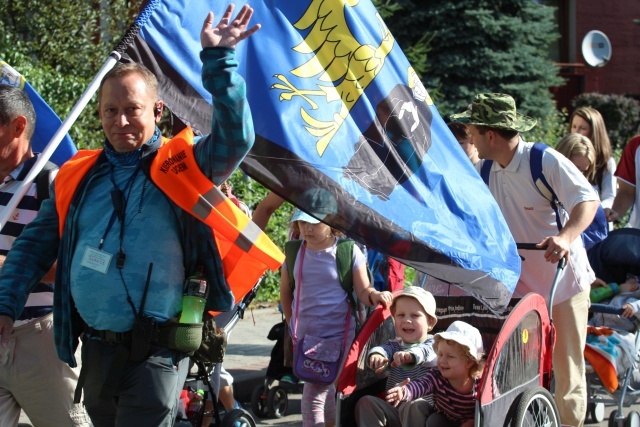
[
  {"x": 596, "y": 410},
  {"x": 536, "y": 407},
  {"x": 278, "y": 401},
  {"x": 239, "y": 416},
  {"x": 259, "y": 402},
  {"x": 632, "y": 420}
]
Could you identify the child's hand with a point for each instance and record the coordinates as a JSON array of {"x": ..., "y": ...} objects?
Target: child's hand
[
  {"x": 402, "y": 358},
  {"x": 598, "y": 283},
  {"x": 628, "y": 311},
  {"x": 396, "y": 394},
  {"x": 378, "y": 362},
  {"x": 385, "y": 298}
]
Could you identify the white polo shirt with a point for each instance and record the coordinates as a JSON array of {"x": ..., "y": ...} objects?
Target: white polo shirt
[{"x": 530, "y": 219}]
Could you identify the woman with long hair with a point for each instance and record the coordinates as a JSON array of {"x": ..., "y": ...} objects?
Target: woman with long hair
[{"x": 588, "y": 122}]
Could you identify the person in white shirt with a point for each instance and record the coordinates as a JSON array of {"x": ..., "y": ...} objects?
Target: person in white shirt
[{"x": 495, "y": 127}]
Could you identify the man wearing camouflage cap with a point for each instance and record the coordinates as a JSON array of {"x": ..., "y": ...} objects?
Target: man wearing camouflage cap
[{"x": 495, "y": 127}]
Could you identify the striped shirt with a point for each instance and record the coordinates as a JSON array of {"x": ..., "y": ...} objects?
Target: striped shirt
[
  {"x": 457, "y": 407},
  {"x": 40, "y": 300},
  {"x": 423, "y": 353}
]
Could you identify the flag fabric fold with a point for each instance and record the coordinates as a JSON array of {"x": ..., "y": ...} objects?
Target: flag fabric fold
[
  {"x": 47, "y": 121},
  {"x": 339, "y": 111}
]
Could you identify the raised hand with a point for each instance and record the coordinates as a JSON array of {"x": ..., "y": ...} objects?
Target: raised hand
[
  {"x": 402, "y": 358},
  {"x": 228, "y": 32}
]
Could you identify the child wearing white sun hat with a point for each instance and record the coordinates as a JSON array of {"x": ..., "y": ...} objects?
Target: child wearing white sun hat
[{"x": 453, "y": 383}]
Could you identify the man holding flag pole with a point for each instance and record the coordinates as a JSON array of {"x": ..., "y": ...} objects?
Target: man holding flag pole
[{"x": 161, "y": 206}]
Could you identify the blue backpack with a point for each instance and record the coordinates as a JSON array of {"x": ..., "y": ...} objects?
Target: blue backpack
[{"x": 597, "y": 230}]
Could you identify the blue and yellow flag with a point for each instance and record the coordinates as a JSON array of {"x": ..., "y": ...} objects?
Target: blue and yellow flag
[
  {"x": 339, "y": 112},
  {"x": 47, "y": 121}
]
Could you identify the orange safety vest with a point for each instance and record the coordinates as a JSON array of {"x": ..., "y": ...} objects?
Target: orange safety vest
[{"x": 246, "y": 251}]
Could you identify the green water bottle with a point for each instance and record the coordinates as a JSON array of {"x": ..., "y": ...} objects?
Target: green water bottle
[
  {"x": 194, "y": 299},
  {"x": 602, "y": 293}
]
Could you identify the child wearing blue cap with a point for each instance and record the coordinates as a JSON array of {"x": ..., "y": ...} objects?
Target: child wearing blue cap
[{"x": 321, "y": 304}]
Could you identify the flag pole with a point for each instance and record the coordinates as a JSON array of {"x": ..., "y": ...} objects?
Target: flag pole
[{"x": 46, "y": 154}]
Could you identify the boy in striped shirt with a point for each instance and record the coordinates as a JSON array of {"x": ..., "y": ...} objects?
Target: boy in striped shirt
[
  {"x": 453, "y": 384},
  {"x": 410, "y": 355}
]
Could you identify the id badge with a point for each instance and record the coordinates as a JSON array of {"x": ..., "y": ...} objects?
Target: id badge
[{"x": 96, "y": 260}]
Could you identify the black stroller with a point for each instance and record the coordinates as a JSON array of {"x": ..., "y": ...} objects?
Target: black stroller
[
  {"x": 612, "y": 259},
  {"x": 200, "y": 378},
  {"x": 270, "y": 400}
]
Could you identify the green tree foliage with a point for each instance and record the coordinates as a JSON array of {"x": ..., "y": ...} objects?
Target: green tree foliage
[
  {"x": 416, "y": 51},
  {"x": 483, "y": 46},
  {"x": 59, "y": 47},
  {"x": 621, "y": 115},
  {"x": 549, "y": 129}
]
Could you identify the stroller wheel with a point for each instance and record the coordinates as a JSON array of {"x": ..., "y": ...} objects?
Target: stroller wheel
[
  {"x": 613, "y": 419},
  {"x": 536, "y": 407},
  {"x": 596, "y": 410},
  {"x": 259, "y": 402},
  {"x": 632, "y": 420},
  {"x": 238, "y": 418},
  {"x": 277, "y": 402}
]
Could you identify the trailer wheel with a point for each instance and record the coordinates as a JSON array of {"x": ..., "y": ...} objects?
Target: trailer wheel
[{"x": 536, "y": 407}]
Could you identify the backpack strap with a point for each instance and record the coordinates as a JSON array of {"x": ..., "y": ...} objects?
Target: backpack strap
[
  {"x": 541, "y": 182},
  {"x": 344, "y": 262},
  {"x": 291, "y": 249},
  {"x": 485, "y": 170}
]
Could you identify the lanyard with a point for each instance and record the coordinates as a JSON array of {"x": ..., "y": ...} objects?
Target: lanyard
[{"x": 119, "y": 202}]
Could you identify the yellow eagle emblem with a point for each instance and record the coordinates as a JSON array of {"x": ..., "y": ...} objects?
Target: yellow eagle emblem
[{"x": 338, "y": 58}]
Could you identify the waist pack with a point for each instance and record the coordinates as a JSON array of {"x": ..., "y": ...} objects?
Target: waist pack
[
  {"x": 213, "y": 343},
  {"x": 202, "y": 341},
  {"x": 183, "y": 337},
  {"x": 317, "y": 360}
]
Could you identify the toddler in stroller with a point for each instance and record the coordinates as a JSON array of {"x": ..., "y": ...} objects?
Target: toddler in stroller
[
  {"x": 410, "y": 355},
  {"x": 628, "y": 299}
]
